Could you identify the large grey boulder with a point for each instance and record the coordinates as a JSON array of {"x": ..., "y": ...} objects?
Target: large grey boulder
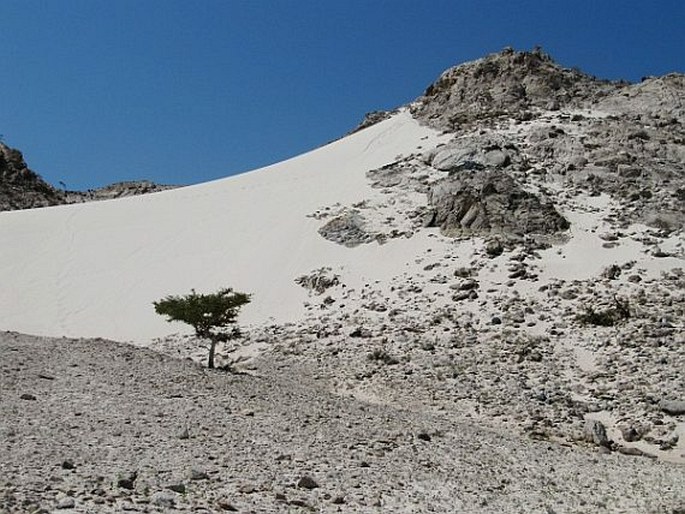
[{"x": 490, "y": 202}]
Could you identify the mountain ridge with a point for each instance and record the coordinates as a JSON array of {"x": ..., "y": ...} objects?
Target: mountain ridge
[{"x": 22, "y": 188}]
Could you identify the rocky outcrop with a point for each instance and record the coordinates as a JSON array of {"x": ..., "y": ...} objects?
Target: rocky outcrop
[
  {"x": 624, "y": 140},
  {"x": 490, "y": 202},
  {"x": 22, "y": 188},
  {"x": 508, "y": 83},
  {"x": 116, "y": 190},
  {"x": 371, "y": 118},
  {"x": 318, "y": 280},
  {"x": 347, "y": 229}
]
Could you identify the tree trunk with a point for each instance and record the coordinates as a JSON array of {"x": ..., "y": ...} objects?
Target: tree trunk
[{"x": 212, "y": 347}]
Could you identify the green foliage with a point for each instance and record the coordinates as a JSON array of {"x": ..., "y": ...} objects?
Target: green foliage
[{"x": 211, "y": 315}]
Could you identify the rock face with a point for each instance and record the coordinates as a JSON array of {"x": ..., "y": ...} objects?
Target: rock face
[
  {"x": 22, "y": 188},
  {"x": 507, "y": 83},
  {"x": 491, "y": 202}
]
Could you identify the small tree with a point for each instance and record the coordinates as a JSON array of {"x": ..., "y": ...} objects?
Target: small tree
[{"x": 211, "y": 315}]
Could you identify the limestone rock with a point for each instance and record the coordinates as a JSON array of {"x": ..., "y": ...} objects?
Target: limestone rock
[
  {"x": 491, "y": 202},
  {"x": 347, "y": 229},
  {"x": 506, "y": 83},
  {"x": 307, "y": 482},
  {"x": 595, "y": 432},
  {"x": 319, "y": 280},
  {"x": 673, "y": 407}
]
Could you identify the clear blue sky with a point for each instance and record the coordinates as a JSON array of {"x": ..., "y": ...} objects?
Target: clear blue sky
[{"x": 96, "y": 91}]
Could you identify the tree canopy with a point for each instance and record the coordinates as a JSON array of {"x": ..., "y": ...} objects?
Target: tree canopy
[{"x": 211, "y": 315}]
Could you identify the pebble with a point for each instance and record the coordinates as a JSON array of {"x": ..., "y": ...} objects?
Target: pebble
[
  {"x": 196, "y": 474},
  {"x": 163, "y": 499},
  {"x": 307, "y": 482},
  {"x": 66, "y": 503}
]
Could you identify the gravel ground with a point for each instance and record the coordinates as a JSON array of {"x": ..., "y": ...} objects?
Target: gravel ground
[{"x": 99, "y": 426}]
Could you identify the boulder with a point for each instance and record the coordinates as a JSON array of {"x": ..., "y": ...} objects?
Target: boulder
[
  {"x": 490, "y": 202},
  {"x": 673, "y": 407},
  {"x": 595, "y": 432}
]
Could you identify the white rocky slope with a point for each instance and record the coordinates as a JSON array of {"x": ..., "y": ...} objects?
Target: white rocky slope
[{"x": 506, "y": 253}]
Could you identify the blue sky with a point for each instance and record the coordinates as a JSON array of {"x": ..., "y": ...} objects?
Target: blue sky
[{"x": 97, "y": 91}]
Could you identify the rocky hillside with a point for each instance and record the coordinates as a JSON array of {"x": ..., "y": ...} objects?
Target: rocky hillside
[
  {"x": 543, "y": 123},
  {"x": 489, "y": 318},
  {"x": 22, "y": 188}
]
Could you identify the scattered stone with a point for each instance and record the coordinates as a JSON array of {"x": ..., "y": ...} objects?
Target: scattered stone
[
  {"x": 66, "y": 503},
  {"x": 467, "y": 285},
  {"x": 319, "y": 280},
  {"x": 595, "y": 432},
  {"x": 361, "y": 332},
  {"x": 494, "y": 248},
  {"x": 177, "y": 487},
  {"x": 631, "y": 450},
  {"x": 307, "y": 482},
  {"x": 300, "y": 503},
  {"x": 127, "y": 480},
  {"x": 28, "y": 396},
  {"x": 463, "y": 295},
  {"x": 247, "y": 489},
  {"x": 347, "y": 229},
  {"x": 163, "y": 499},
  {"x": 463, "y": 272},
  {"x": 630, "y": 434},
  {"x": 672, "y": 407},
  {"x": 226, "y": 505},
  {"x": 611, "y": 272},
  {"x": 68, "y": 464},
  {"x": 196, "y": 474}
]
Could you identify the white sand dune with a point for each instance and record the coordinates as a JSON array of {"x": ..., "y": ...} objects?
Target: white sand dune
[{"x": 94, "y": 269}]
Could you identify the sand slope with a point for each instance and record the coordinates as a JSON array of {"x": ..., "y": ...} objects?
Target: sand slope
[{"x": 94, "y": 269}]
